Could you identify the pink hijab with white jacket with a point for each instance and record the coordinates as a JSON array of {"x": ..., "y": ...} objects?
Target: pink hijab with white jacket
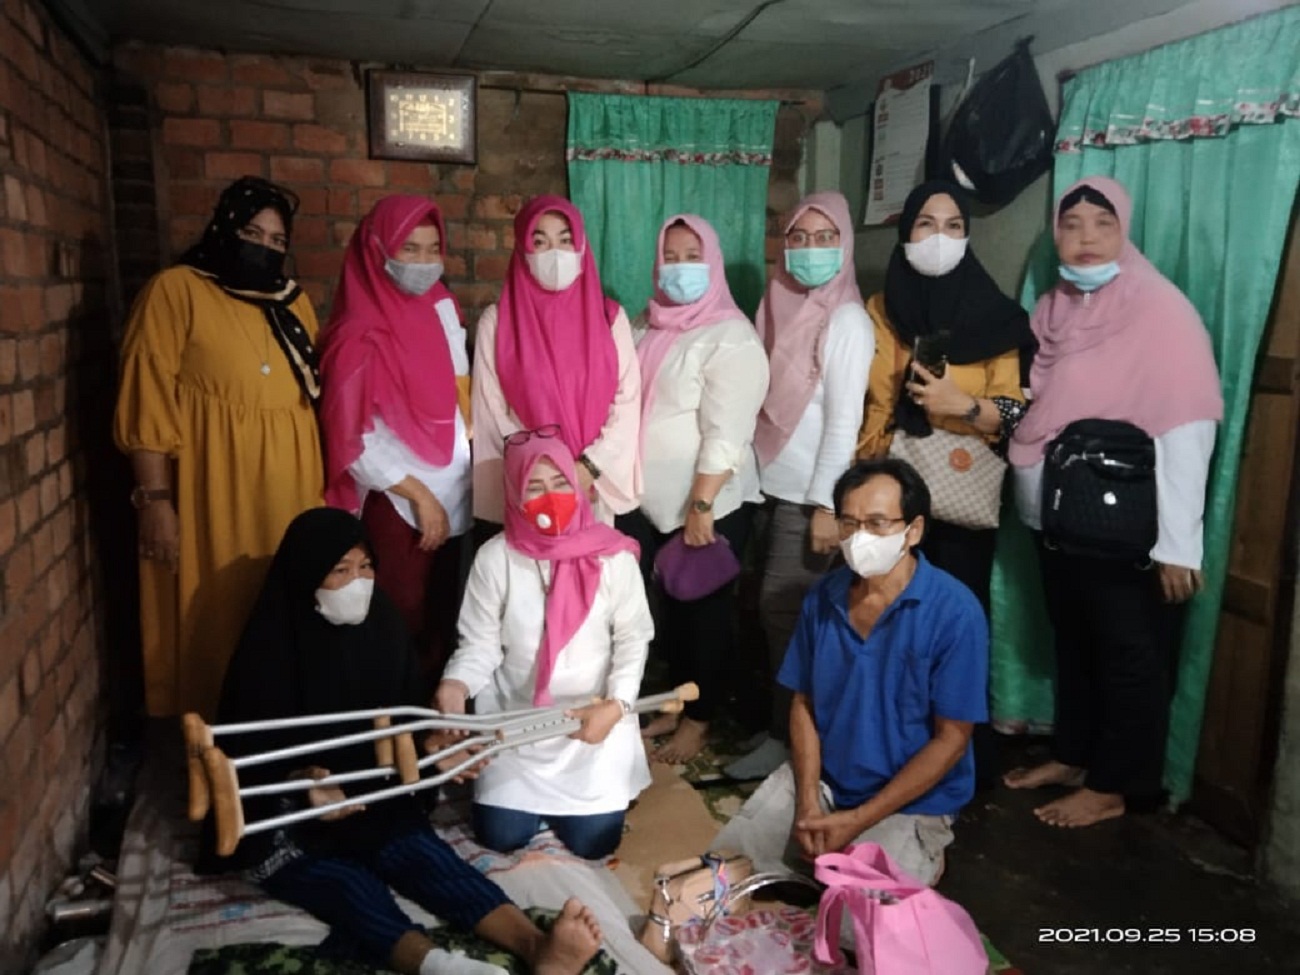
[{"x": 1134, "y": 350}]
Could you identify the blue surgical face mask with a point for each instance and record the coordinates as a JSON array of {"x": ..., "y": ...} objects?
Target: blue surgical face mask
[
  {"x": 414, "y": 279},
  {"x": 684, "y": 284},
  {"x": 1090, "y": 277},
  {"x": 814, "y": 266}
]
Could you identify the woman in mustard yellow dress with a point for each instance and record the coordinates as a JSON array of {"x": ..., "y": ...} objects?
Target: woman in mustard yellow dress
[{"x": 215, "y": 409}]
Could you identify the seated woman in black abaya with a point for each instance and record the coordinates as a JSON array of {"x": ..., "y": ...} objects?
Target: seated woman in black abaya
[{"x": 322, "y": 639}]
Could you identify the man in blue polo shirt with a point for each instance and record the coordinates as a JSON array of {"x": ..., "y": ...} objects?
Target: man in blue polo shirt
[{"x": 889, "y": 669}]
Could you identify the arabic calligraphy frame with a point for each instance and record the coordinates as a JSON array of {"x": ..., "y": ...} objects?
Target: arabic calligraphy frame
[{"x": 388, "y": 144}]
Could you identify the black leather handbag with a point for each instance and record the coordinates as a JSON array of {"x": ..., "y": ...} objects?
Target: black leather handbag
[{"x": 1099, "y": 491}]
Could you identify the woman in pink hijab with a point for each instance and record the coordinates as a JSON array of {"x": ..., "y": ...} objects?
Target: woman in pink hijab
[
  {"x": 704, "y": 376},
  {"x": 554, "y": 349},
  {"x": 393, "y": 413},
  {"x": 554, "y": 613},
  {"x": 1119, "y": 344},
  {"x": 819, "y": 343}
]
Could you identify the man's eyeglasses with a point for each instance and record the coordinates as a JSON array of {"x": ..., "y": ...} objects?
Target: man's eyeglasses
[
  {"x": 544, "y": 432},
  {"x": 876, "y": 525},
  {"x": 822, "y": 238}
]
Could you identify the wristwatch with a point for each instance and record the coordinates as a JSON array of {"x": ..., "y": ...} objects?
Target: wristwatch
[
  {"x": 592, "y": 469},
  {"x": 141, "y": 496},
  {"x": 702, "y": 506},
  {"x": 973, "y": 414},
  {"x": 627, "y": 708}
]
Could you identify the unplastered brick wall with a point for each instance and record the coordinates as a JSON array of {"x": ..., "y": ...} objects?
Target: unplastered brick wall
[
  {"x": 213, "y": 117},
  {"x": 55, "y": 376}
]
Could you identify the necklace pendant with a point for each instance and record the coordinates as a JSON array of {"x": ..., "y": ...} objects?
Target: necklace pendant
[{"x": 266, "y": 369}]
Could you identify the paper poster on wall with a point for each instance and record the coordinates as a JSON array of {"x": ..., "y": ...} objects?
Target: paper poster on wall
[{"x": 901, "y": 127}]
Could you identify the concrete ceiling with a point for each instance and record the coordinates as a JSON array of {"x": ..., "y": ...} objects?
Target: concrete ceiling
[{"x": 816, "y": 44}]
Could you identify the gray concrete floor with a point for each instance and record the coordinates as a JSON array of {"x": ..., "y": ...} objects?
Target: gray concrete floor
[{"x": 1029, "y": 887}]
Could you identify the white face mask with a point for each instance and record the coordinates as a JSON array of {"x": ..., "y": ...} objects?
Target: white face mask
[
  {"x": 873, "y": 555},
  {"x": 349, "y": 605},
  {"x": 936, "y": 255},
  {"x": 556, "y": 268}
]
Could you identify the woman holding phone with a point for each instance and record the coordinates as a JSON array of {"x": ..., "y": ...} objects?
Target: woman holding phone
[{"x": 951, "y": 351}]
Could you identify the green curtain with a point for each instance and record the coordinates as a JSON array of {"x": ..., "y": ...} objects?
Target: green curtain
[
  {"x": 634, "y": 161},
  {"x": 1205, "y": 134}
]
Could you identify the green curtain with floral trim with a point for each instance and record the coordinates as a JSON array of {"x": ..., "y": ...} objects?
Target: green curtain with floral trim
[
  {"x": 634, "y": 161},
  {"x": 1205, "y": 134}
]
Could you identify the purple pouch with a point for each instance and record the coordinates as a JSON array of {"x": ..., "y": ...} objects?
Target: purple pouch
[{"x": 688, "y": 572}]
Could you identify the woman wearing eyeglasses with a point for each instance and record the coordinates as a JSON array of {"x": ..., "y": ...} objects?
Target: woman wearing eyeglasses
[
  {"x": 554, "y": 614},
  {"x": 554, "y": 349},
  {"x": 819, "y": 346},
  {"x": 704, "y": 378}
]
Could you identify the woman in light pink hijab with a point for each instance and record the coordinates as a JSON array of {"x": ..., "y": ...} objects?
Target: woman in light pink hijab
[
  {"x": 554, "y": 613},
  {"x": 819, "y": 343},
  {"x": 704, "y": 376},
  {"x": 1118, "y": 342}
]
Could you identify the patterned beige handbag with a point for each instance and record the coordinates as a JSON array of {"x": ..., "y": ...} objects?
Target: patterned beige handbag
[{"x": 963, "y": 474}]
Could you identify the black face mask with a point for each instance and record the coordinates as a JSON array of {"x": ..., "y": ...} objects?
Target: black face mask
[{"x": 256, "y": 267}]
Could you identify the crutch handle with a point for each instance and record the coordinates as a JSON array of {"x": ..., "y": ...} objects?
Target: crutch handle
[
  {"x": 198, "y": 739},
  {"x": 408, "y": 760},
  {"x": 228, "y": 809},
  {"x": 690, "y": 691},
  {"x": 384, "y": 746}
]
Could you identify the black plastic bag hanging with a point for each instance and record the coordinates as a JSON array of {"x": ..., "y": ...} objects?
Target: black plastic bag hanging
[{"x": 1002, "y": 134}]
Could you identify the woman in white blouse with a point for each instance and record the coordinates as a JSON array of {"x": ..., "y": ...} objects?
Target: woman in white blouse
[
  {"x": 394, "y": 401},
  {"x": 1117, "y": 342},
  {"x": 819, "y": 342},
  {"x": 704, "y": 376},
  {"x": 554, "y": 349},
  {"x": 554, "y": 613}
]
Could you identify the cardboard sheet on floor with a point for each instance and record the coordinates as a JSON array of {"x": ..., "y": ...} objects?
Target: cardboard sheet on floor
[{"x": 670, "y": 822}]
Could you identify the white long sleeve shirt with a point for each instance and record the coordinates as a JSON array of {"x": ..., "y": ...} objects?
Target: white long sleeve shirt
[
  {"x": 1182, "y": 471},
  {"x": 821, "y": 447},
  {"x": 707, "y": 395},
  {"x": 386, "y": 461},
  {"x": 501, "y": 623}
]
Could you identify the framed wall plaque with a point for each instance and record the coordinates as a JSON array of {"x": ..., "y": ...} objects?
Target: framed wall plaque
[{"x": 428, "y": 117}]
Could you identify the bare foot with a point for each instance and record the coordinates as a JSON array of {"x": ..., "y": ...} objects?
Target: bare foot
[
  {"x": 1083, "y": 807},
  {"x": 571, "y": 943},
  {"x": 1049, "y": 773},
  {"x": 664, "y": 724},
  {"x": 685, "y": 743}
]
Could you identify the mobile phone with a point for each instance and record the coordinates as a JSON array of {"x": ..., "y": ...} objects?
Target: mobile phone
[{"x": 932, "y": 352}]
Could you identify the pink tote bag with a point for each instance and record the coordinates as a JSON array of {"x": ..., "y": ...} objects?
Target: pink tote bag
[{"x": 901, "y": 926}]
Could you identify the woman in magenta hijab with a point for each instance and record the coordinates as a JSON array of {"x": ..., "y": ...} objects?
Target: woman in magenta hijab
[
  {"x": 554, "y": 613},
  {"x": 555, "y": 350},
  {"x": 704, "y": 376},
  {"x": 394, "y": 373},
  {"x": 1119, "y": 344}
]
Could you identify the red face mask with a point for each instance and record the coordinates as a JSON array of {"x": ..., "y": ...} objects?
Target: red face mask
[{"x": 551, "y": 512}]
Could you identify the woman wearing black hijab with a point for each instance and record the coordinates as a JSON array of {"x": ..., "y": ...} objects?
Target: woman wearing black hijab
[
  {"x": 216, "y": 411},
  {"x": 321, "y": 639},
  {"x": 937, "y": 291},
  {"x": 936, "y": 287}
]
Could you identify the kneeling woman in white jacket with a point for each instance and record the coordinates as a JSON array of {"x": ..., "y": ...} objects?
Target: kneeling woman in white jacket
[{"x": 555, "y": 613}]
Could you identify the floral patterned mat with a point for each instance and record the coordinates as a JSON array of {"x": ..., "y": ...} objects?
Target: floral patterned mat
[{"x": 273, "y": 959}]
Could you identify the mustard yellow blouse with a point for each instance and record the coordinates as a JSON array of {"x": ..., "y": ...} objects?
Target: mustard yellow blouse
[
  {"x": 999, "y": 376},
  {"x": 246, "y": 460}
]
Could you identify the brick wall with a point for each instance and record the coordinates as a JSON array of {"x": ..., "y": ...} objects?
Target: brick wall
[
  {"x": 55, "y": 375},
  {"x": 302, "y": 122}
]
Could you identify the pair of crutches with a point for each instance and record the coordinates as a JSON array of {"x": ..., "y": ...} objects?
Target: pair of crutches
[{"x": 214, "y": 777}]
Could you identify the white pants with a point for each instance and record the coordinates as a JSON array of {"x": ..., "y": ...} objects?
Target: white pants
[{"x": 761, "y": 830}]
